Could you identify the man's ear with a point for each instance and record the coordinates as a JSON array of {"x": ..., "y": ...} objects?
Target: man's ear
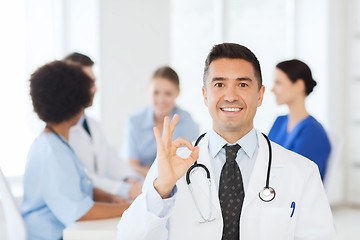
[
  {"x": 261, "y": 95},
  {"x": 205, "y": 96}
]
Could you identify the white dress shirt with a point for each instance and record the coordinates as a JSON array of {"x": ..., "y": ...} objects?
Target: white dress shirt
[{"x": 245, "y": 159}]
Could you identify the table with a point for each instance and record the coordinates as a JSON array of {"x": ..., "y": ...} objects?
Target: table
[{"x": 93, "y": 229}]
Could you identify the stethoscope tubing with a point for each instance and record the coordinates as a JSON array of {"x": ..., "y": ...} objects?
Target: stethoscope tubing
[
  {"x": 270, "y": 161},
  {"x": 267, "y": 184}
]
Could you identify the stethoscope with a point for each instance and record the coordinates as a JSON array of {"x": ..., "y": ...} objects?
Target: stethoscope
[
  {"x": 89, "y": 180},
  {"x": 266, "y": 195}
]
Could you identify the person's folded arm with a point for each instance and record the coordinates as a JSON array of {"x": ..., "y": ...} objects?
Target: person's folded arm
[
  {"x": 103, "y": 196},
  {"x": 102, "y": 210}
]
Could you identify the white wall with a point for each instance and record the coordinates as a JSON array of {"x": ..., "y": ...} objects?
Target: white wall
[
  {"x": 337, "y": 96},
  {"x": 12, "y": 86},
  {"x": 81, "y": 33},
  {"x": 318, "y": 30},
  {"x": 352, "y": 100},
  {"x": 311, "y": 46},
  {"x": 192, "y": 36},
  {"x": 134, "y": 40},
  {"x": 30, "y": 38}
]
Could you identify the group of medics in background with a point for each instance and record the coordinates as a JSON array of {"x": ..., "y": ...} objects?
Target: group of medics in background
[{"x": 73, "y": 173}]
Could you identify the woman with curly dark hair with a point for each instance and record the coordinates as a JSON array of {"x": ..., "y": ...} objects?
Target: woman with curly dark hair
[{"x": 57, "y": 190}]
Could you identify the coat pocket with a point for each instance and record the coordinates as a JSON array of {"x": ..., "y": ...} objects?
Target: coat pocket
[{"x": 275, "y": 223}]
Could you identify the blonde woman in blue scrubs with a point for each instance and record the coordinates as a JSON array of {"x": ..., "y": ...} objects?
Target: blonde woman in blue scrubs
[
  {"x": 57, "y": 190},
  {"x": 139, "y": 146}
]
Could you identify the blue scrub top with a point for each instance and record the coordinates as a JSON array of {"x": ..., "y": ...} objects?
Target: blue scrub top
[
  {"x": 308, "y": 138},
  {"x": 57, "y": 192},
  {"x": 139, "y": 140}
]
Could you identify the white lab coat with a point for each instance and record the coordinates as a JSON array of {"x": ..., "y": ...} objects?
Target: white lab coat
[
  {"x": 294, "y": 178},
  {"x": 111, "y": 170}
]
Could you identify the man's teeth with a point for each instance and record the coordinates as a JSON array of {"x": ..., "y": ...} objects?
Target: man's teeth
[{"x": 231, "y": 109}]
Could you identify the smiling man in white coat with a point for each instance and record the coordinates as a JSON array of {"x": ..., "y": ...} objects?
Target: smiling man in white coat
[{"x": 216, "y": 189}]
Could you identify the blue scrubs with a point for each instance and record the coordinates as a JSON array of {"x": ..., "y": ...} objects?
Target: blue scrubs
[
  {"x": 139, "y": 140},
  {"x": 57, "y": 192},
  {"x": 308, "y": 138}
]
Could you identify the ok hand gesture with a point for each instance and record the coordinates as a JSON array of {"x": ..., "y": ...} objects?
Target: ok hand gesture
[{"x": 171, "y": 167}]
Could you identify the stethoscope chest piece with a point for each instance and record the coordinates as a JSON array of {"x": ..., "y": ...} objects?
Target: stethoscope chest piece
[{"x": 267, "y": 194}]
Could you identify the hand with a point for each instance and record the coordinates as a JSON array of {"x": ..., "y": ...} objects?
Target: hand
[
  {"x": 135, "y": 190},
  {"x": 119, "y": 200},
  {"x": 171, "y": 167}
]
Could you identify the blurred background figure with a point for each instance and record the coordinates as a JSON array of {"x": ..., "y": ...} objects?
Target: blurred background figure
[
  {"x": 298, "y": 131},
  {"x": 57, "y": 189},
  {"x": 139, "y": 146},
  {"x": 101, "y": 159}
]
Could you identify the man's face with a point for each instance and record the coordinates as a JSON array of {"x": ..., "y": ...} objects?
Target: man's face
[
  {"x": 89, "y": 71},
  {"x": 232, "y": 95}
]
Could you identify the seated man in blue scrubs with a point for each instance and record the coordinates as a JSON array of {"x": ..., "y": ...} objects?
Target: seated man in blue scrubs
[
  {"x": 298, "y": 131},
  {"x": 57, "y": 190}
]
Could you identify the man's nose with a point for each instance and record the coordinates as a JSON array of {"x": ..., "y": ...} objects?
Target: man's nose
[{"x": 231, "y": 94}]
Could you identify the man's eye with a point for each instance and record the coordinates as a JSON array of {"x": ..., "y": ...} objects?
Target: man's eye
[
  {"x": 243, "y": 84},
  {"x": 219, "y": 84}
]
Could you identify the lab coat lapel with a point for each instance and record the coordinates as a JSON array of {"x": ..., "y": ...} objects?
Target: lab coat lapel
[
  {"x": 79, "y": 130},
  {"x": 258, "y": 177},
  {"x": 199, "y": 179}
]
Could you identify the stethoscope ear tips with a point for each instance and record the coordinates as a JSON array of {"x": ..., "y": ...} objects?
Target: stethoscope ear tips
[{"x": 267, "y": 194}]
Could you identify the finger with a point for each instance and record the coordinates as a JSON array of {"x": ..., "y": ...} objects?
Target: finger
[
  {"x": 159, "y": 142},
  {"x": 193, "y": 156},
  {"x": 173, "y": 124},
  {"x": 183, "y": 142},
  {"x": 166, "y": 131}
]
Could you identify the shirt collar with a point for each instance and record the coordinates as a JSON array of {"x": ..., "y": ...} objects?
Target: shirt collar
[{"x": 248, "y": 143}]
